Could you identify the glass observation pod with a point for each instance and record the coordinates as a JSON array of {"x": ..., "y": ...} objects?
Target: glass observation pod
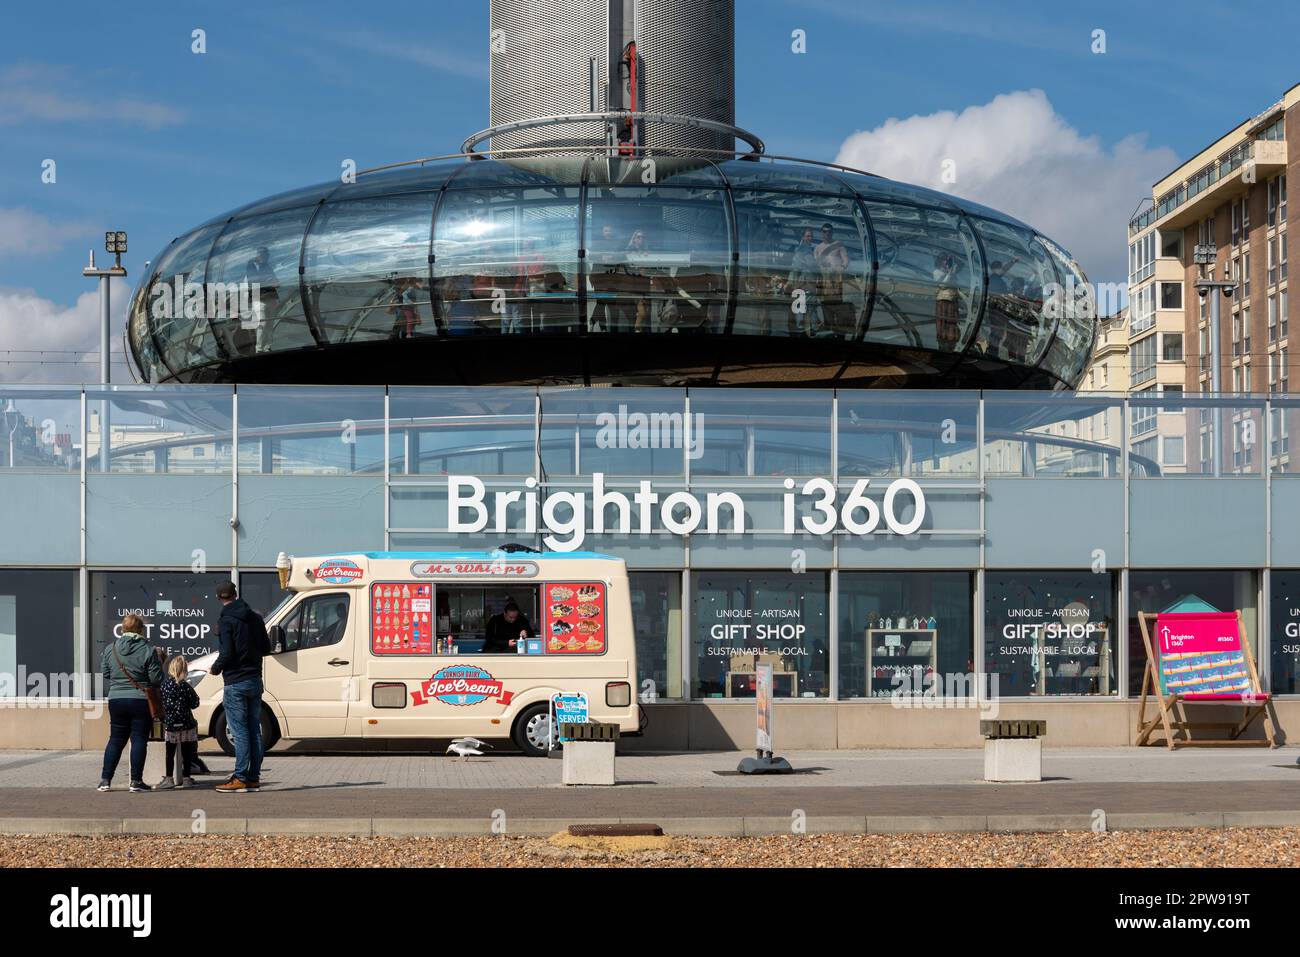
[{"x": 650, "y": 270}]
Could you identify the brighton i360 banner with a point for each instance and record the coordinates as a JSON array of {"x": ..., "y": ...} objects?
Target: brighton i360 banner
[{"x": 1201, "y": 653}]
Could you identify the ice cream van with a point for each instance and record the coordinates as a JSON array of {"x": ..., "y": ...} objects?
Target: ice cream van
[{"x": 440, "y": 645}]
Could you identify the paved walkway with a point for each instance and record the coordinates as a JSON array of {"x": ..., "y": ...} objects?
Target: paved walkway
[{"x": 691, "y": 793}]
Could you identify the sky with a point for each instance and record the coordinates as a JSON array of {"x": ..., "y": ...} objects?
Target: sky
[{"x": 1025, "y": 105}]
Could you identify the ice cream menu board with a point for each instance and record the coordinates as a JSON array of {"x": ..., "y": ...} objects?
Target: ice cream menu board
[
  {"x": 574, "y": 616},
  {"x": 401, "y": 618}
]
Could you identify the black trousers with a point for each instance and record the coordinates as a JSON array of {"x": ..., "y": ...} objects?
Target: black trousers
[
  {"x": 128, "y": 719},
  {"x": 189, "y": 753}
]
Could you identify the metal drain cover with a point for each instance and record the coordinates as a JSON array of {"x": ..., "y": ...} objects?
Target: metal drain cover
[{"x": 615, "y": 830}]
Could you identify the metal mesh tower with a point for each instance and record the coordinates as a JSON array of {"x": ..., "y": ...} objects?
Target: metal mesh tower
[{"x": 560, "y": 57}]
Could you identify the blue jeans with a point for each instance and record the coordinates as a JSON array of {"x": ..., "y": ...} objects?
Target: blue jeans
[
  {"x": 127, "y": 718},
  {"x": 243, "y": 703}
]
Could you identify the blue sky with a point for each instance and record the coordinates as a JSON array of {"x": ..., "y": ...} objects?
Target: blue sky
[{"x": 149, "y": 137}]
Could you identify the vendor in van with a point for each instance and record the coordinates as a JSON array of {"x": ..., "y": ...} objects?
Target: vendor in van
[{"x": 506, "y": 630}]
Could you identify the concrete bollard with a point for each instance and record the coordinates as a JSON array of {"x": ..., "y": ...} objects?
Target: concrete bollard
[
  {"x": 589, "y": 753},
  {"x": 1013, "y": 750}
]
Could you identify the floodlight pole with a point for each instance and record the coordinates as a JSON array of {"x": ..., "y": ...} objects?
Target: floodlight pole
[{"x": 105, "y": 276}]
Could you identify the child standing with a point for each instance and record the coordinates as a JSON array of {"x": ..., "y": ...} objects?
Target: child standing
[{"x": 180, "y": 729}]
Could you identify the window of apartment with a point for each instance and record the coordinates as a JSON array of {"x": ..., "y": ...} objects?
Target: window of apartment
[
  {"x": 1236, "y": 378},
  {"x": 1142, "y": 310},
  {"x": 1236, "y": 224},
  {"x": 1173, "y": 450},
  {"x": 1245, "y": 218},
  {"x": 1282, "y": 371},
  {"x": 1143, "y": 353},
  {"x": 1142, "y": 258},
  {"x": 1272, "y": 318},
  {"x": 1171, "y": 295},
  {"x": 1171, "y": 347},
  {"x": 1273, "y": 200},
  {"x": 1245, "y": 331},
  {"x": 1281, "y": 204},
  {"x": 1245, "y": 275},
  {"x": 1281, "y": 258},
  {"x": 1272, "y": 372},
  {"x": 1142, "y": 416},
  {"x": 1234, "y": 277},
  {"x": 1272, "y": 261},
  {"x": 1281, "y": 315},
  {"x": 1171, "y": 245},
  {"x": 1236, "y": 333}
]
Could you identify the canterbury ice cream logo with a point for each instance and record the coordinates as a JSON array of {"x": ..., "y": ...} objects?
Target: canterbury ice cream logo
[{"x": 461, "y": 685}]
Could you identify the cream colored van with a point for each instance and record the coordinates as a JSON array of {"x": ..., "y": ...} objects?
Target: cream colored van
[{"x": 430, "y": 645}]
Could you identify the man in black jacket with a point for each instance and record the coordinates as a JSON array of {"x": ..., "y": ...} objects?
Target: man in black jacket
[{"x": 242, "y": 640}]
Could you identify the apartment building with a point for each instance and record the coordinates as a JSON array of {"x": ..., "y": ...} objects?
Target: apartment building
[{"x": 1229, "y": 204}]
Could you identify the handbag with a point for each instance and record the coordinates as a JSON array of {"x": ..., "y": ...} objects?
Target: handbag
[{"x": 152, "y": 695}]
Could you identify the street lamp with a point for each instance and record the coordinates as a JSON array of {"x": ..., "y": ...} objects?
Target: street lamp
[
  {"x": 1206, "y": 254},
  {"x": 115, "y": 243}
]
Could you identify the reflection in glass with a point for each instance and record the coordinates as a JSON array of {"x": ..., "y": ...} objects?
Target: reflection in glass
[
  {"x": 367, "y": 268},
  {"x": 908, "y": 434},
  {"x": 506, "y": 261},
  {"x": 761, "y": 432},
  {"x": 803, "y": 265},
  {"x": 262, "y": 255},
  {"x": 623, "y": 432},
  {"x": 184, "y": 333},
  {"x": 658, "y": 259},
  {"x": 301, "y": 430},
  {"x": 173, "y": 429},
  {"x": 484, "y": 431},
  {"x": 1021, "y": 276},
  {"x": 929, "y": 284},
  {"x": 40, "y": 430}
]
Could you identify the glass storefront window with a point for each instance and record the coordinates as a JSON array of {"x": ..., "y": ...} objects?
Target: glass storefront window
[
  {"x": 657, "y": 623},
  {"x": 1284, "y": 622},
  {"x": 39, "y": 611},
  {"x": 311, "y": 430},
  {"x": 906, "y": 634},
  {"x": 180, "y": 610},
  {"x": 1210, "y": 590},
  {"x": 1050, "y": 633},
  {"x": 781, "y": 618}
]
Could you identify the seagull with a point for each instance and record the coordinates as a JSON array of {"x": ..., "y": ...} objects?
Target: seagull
[{"x": 467, "y": 746}]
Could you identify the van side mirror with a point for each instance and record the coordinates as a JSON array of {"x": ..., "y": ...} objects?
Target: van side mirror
[{"x": 276, "y": 634}]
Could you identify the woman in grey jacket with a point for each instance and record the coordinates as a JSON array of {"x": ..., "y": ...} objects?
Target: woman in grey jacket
[{"x": 130, "y": 666}]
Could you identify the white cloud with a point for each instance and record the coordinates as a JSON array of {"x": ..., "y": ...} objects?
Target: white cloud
[
  {"x": 1017, "y": 154},
  {"x": 39, "y": 92},
  {"x": 43, "y": 341},
  {"x": 23, "y": 232}
]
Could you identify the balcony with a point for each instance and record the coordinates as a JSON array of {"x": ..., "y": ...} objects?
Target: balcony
[{"x": 1220, "y": 182}]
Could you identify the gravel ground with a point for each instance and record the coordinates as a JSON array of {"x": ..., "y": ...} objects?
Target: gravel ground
[{"x": 1230, "y": 847}]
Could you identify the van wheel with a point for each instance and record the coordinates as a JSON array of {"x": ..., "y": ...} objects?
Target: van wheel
[
  {"x": 270, "y": 732},
  {"x": 532, "y": 730}
]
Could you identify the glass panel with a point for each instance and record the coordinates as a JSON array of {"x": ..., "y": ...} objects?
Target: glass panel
[
  {"x": 803, "y": 265},
  {"x": 38, "y": 633},
  {"x": 1286, "y": 423},
  {"x": 1075, "y": 437},
  {"x": 629, "y": 432},
  {"x": 180, "y": 610},
  {"x": 404, "y": 179},
  {"x": 181, "y": 320},
  {"x": 301, "y": 196},
  {"x": 1285, "y": 625},
  {"x": 908, "y": 434},
  {"x": 259, "y": 257},
  {"x": 367, "y": 268},
  {"x": 40, "y": 429},
  {"x": 519, "y": 173},
  {"x": 879, "y": 189},
  {"x": 178, "y": 429},
  {"x": 483, "y": 431},
  {"x": 658, "y": 260},
  {"x": 1021, "y": 277},
  {"x": 1075, "y": 312},
  {"x": 1050, "y": 633},
  {"x": 138, "y": 329},
  {"x": 747, "y": 175},
  {"x": 905, "y": 634},
  {"x": 781, "y": 618},
  {"x": 1196, "y": 419},
  {"x": 756, "y": 432},
  {"x": 657, "y": 621},
  {"x": 506, "y": 261},
  {"x": 309, "y": 430},
  {"x": 1156, "y": 591},
  {"x": 652, "y": 171},
  {"x": 929, "y": 285}
]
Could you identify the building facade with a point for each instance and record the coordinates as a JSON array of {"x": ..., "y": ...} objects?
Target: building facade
[
  {"x": 1040, "y": 532},
  {"x": 1232, "y": 198}
]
